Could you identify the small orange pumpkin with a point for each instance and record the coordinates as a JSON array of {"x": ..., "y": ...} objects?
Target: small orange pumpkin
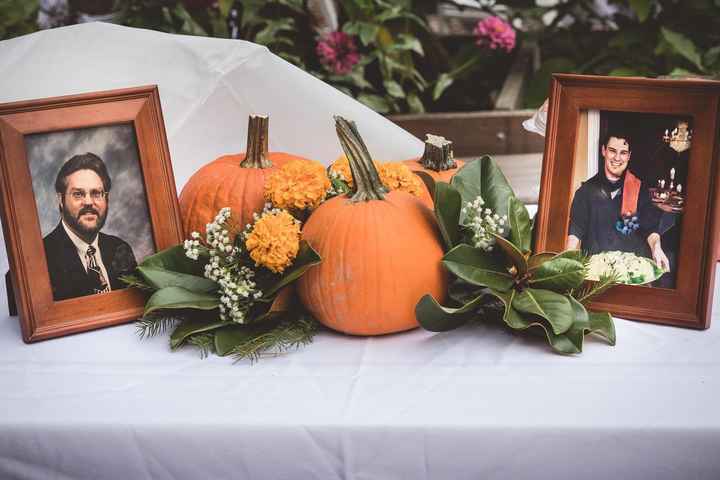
[
  {"x": 235, "y": 181},
  {"x": 381, "y": 252},
  {"x": 438, "y": 160}
]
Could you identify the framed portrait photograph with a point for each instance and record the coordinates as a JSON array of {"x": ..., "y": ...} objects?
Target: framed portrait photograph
[
  {"x": 87, "y": 193},
  {"x": 631, "y": 178}
]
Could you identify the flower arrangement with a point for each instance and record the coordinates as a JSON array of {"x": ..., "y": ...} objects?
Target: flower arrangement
[
  {"x": 487, "y": 233},
  {"x": 230, "y": 292}
]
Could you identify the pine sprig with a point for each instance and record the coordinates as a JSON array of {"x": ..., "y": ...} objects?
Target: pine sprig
[
  {"x": 204, "y": 342},
  {"x": 592, "y": 289},
  {"x": 156, "y": 324},
  {"x": 134, "y": 280},
  {"x": 287, "y": 335}
]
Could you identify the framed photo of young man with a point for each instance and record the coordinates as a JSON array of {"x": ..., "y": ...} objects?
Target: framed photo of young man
[
  {"x": 87, "y": 192},
  {"x": 631, "y": 177}
]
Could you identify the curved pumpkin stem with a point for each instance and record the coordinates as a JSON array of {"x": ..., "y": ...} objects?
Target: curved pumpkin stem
[
  {"x": 368, "y": 185},
  {"x": 438, "y": 154},
  {"x": 256, "y": 152}
]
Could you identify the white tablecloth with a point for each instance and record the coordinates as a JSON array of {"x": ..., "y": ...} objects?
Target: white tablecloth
[{"x": 479, "y": 402}]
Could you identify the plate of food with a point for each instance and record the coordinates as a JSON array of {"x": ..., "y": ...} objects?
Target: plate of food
[{"x": 629, "y": 269}]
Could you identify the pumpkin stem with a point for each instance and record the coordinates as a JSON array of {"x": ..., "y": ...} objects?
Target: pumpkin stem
[
  {"x": 256, "y": 152},
  {"x": 368, "y": 185},
  {"x": 438, "y": 154}
]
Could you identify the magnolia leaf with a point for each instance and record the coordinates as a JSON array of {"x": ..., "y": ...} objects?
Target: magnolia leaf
[
  {"x": 511, "y": 317},
  {"x": 227, "y": 338},
  {"x": 683, "y": 46},
  {"x": 427, "y": 180},
  {"x": 306, "y": 258},
  {"x": 553, "y": 307},
  {"x": 178, "y": 297},
  {"x": 482, "y": 177},
  {"x": 581, "y": 324},
  {"x": 558, "y": 274},
  {"x": 522, "y": 321},
  {"x": 435, "y": 318},
  {"x": 577, "y": 255},
  {"x": 539, "y": 258},
  {"x": 448, "y": 204},
  {"x": 516, "y": 256},
  {"x": 601, "y": 323},
  {"x": 192, "y": 326},
  {"x": 174, "y": 260},
  {"x": 520, "y": 226},
  {"x": 161, "y": 278},
  {"x": 462, "y": 292},
  {"x": 478, "y": 267}
]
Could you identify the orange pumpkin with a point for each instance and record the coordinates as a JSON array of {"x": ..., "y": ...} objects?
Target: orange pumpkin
[
  {"x": 381, "y": 252},
  {"x": 235, "y": 181},
  {"x": 438, "y": 160}
]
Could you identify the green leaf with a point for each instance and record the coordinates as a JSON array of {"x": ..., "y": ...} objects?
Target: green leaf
[
  {"x": 551, "y": 306},
  {"x": 539, "y": 258},
  {"x": 516, "y": 256},
  {"x": 229, "y": 337},
  {"x": 368, "y": 32},
  {"x": 482, "y": 177},
  {"x": 435, "y": 318},
  {"x": 683, "y": 46},
  {"x": 558, "y": 274},
  {"x": 448, "y": 204},
  {"x": 375, "y": 102},
  {"x": 443, "y": 83},
  {"x": 174, "y": 260},
  {"x": 641, "y": 8},
  {"x": 415, "y": 103},
  {"x": 601, "y": 323},
  {"x": 520, "y": 225},
  {"x": 177, "y": 297},
  {"x": 306, "y": 258},
  {"x": 712, "y": 57},
  {"x": 393, "y": 89},
  {"x": 478, "y": 267},
  {"x": 682, "y": 72},
  {"x": 408, "y": 42},
  {"x": 427, "y": 180},
  {"x": 161, "y": 278},
  {"x": 511, "y": 317},
  {"x": 190, "y": 327}
]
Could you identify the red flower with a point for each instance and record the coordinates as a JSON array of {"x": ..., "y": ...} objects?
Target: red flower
[
  {"x": 495, "y": 33},
  {"x": 338, "y": 52}
]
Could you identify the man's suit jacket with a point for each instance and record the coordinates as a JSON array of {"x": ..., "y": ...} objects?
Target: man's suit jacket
[{"x": 67, "y": 273}]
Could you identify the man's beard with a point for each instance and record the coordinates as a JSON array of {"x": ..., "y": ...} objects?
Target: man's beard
[{"x": 74, "y": 222}]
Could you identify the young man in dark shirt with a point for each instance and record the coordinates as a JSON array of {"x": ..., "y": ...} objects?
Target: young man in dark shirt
[{"x": 602, "y": 203}]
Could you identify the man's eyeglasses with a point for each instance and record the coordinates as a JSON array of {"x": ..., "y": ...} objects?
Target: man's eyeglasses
[{"x": 95, "y": 195}]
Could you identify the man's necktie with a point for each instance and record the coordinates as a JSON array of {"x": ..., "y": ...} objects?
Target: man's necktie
[{"x": 94, "y": 272}]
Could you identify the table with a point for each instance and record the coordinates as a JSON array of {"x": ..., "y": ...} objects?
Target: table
[{"x": 478, "y": 402}]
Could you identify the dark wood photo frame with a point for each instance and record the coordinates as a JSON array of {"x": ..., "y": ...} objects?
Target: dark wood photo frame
[
  {"x": 42, "y": 317},
  {"x": 689, "y": 304}
]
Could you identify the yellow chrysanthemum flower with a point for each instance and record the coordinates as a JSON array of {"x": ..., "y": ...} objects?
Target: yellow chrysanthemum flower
[
  {"x": 274, "y": 240},
  {"x": 397, "y": 176},
  {"x": 297, "y": 185}
]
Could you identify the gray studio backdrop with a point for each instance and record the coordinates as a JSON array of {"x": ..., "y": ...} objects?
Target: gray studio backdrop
[{"x": 128, "y": 216}]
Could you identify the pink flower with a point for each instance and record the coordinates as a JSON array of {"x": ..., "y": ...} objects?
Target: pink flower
[
  {"x": 337, "y": 51},
  {"x": 496, "y": 33}
]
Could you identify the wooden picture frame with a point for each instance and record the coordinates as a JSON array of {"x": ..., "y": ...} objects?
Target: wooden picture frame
[
  {"x": 136, "y": 110},
  {"x": 689, "y": 303}
]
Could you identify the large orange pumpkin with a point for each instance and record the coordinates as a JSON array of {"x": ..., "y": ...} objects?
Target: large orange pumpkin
[
  {"x": 438, "y": 160},
  {"x": 381, "y": 252},
  {"x": 235, "y": 181}
]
